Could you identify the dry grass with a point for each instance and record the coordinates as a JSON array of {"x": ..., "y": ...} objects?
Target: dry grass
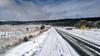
[{"x": 8, "y": 43}]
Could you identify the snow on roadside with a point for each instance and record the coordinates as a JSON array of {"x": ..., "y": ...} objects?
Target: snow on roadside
[
  {"x": 28, "y": 48},
  {"x": 90, "y": 35}
]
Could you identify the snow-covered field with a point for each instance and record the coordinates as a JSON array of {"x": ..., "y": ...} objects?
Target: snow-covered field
[
  {"x": 28, "y": 48},
  {"x": 8, "y": 31},
  {"x": 13, "y": 35}
]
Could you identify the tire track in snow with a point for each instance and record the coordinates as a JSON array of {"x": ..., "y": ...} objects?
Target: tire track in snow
[
  {"x": 84, "y": 47},
  {"x": 56, "y": 46}
]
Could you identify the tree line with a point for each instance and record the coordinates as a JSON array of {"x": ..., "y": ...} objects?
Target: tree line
[{"x": 88, "y": 24}]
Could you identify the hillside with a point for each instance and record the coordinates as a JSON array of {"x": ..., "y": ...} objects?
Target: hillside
[{"x": 60, "y": 22}]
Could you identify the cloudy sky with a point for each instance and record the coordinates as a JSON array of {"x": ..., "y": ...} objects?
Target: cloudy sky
[{"x": 26, "y": 10}]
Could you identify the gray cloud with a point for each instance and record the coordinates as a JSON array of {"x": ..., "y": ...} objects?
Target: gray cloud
[
  {"x": 74, "y": 10},
  {"x": 31, "y": 10}
]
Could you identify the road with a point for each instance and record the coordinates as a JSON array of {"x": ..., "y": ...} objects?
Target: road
[
  {"x": 81, "y": 46},
  {"x": 55, "y": 45}
]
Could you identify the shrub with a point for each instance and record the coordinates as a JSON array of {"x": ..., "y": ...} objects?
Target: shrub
[
  {"x": 30, "y": 36},
  {"x": 25, "y": 39},
  {"x": 42, "y": 27}
]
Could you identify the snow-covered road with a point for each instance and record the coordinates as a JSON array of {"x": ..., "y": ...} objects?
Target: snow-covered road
[{"x": 55, "y": 45}]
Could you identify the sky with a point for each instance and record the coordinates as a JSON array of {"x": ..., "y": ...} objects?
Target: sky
[{"x": 33, "y": 10}]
